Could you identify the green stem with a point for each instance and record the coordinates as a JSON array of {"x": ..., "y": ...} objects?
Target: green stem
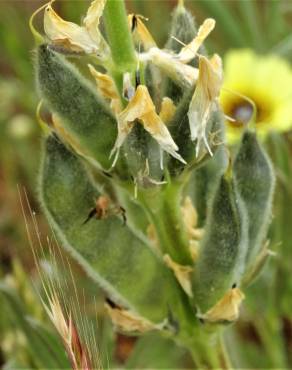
[
  {"x": 120, "y": 40},
  {"x": 223, "y": 354},
  {"x": 163, "y": 209},
  {"x": 204, "y": 352},
  {"x": 273, "y": 344}
]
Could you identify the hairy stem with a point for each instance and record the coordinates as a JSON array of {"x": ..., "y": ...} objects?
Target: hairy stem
[{"x": 163, "y": 209}]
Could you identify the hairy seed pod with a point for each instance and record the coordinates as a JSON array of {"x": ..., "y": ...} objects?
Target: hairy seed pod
[
  {"x": 223, "y": 248},
  {"x": 255, "y": 181},
  {"x": 142, "y": 154},
  {"x": 183, "y": 28},
  {"x": 111, "y": 254},
  {"x": 83, "y": 115}
]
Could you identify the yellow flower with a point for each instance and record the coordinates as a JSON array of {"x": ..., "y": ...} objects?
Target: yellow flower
[{"x": 267, "y": 81}]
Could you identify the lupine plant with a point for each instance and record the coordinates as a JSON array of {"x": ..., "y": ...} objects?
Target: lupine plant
[{"x": 136, "y": 179}]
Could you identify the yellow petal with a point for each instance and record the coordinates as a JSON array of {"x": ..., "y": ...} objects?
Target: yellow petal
[
  {"x": 142, "y": 108},
  {"x": 138, "y": 27},
  {"x": 67, "y": 34},
  {"x": 227, "y": 309},
  {"x": 107, "y": 88},
  {"x": 182, "y": 273},
  {"x": 204, "y": 99},
  {"x": 128, "y": 321},
  {"x": 189, "y": 52},
  {"x": 167, "y": 110}
]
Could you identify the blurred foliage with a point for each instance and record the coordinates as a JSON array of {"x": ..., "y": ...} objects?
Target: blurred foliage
[{"x": 263, "y": 336}]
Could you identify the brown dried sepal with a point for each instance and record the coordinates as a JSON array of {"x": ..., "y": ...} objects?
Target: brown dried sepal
[
  {"x": 190, "y": 218},
  {"x": 226, "y": 309},
  {"x": 182, "y": 273},
  {"x": 127, "y": 321},
  {"x": 107, "y": 88}
]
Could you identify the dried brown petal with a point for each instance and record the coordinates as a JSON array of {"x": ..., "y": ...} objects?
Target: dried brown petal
[
  {"x": 72, "y": 37},
  {"x": 141, "y": 108},
  {"x": 107, "y": 88},
  {"x": 189, "y": 52},
  {"x": 204, "y": 99},
  {"x": 139, "y": 28}
]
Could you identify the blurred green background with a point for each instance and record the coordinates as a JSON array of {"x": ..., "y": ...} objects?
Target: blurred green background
[{"x": 263, "y": 336}]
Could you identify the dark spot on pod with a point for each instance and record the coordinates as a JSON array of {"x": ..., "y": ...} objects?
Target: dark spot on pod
[
  {"x": 134, "y": 23},
  {"x": 137, "y": 78},
  {"x": 111, "y": 303}
]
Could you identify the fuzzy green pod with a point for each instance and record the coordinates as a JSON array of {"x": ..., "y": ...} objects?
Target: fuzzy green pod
[
  {"x": 183, "y": 28},
  {"x": 255, "y": 181},
  {"x": 142, "y": 155},
  {"x": 223, "y": 248},
  {"x": 115, "y": 257},
  {"x": 84, "y": 115}
]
